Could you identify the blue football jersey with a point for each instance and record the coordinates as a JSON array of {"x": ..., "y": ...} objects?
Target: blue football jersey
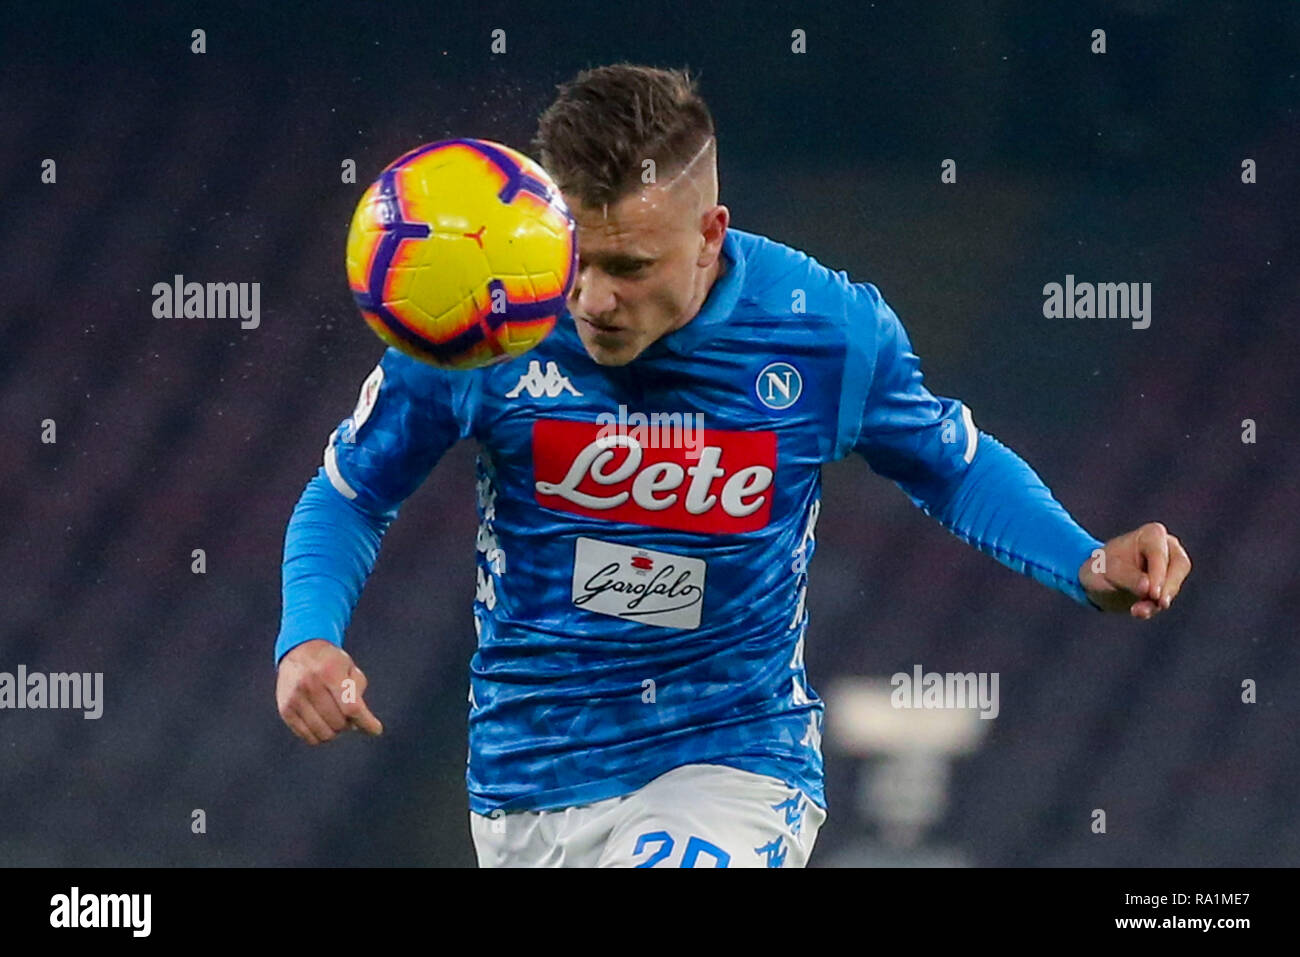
[{"x": 645, "y": 531}]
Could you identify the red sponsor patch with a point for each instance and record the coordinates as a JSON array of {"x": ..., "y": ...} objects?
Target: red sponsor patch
[{"x": 721, "y": 485}]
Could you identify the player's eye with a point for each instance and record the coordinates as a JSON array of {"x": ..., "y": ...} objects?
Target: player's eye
[
  {"x": 618, "y": 268},
  {"x": 627, "y": 269}
]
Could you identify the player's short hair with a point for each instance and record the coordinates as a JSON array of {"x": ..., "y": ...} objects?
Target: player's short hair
[{"x": 605, "y": 123}]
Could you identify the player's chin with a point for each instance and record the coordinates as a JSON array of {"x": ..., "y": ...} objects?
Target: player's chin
[{"x": 606, "y": 351}]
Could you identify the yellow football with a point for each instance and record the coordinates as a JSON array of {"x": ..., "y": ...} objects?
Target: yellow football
[{"x": 462, "y": 253}]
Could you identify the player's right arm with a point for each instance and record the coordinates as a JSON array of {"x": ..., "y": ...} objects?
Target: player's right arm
[{"x": 405, "y": 419}]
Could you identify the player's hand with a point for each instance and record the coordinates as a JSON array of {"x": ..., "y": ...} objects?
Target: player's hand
[
  {"x": 1140, "y": 572},
  {"x": 318, "y": 691}
]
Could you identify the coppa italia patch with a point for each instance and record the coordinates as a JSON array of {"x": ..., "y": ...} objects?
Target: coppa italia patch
[{"x": 722, "y": 485}]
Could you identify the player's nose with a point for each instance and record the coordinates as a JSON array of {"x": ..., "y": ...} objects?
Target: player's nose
[{"x": 594, "y": 295}]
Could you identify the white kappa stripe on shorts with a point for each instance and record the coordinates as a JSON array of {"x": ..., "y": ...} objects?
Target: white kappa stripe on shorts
[{"x": 697, "y": 815}]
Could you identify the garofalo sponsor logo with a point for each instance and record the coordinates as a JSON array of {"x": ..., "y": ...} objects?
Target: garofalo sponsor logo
[
  {"x": 76, "y": 909},
  {"x": 36, "y": 690},
  {"x": 638, "y": 584},
  {"x": 947, "y": 690}
]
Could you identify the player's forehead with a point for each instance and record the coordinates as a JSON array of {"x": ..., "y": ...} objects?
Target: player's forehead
[{"x": 641, "y": 222}]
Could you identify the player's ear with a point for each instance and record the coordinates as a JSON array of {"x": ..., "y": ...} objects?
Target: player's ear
[{"x": 713, "y": 227}]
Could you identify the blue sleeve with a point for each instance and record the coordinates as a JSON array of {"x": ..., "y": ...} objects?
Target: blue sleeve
[
  {"x": 929, "y": 445},
  {"x": 1002, "y": 507},
  {"x": 330, "y": 548},
  {"x": 406, "y": 417}
]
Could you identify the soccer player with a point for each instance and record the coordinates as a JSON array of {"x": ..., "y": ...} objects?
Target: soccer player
[{"x": 648, "y": 491}]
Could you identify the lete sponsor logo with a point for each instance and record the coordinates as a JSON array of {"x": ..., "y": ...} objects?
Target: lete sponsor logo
[{"x": 726, "y": 488}]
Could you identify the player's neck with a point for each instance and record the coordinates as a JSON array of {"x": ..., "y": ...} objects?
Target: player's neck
[{"x": 714, "y": 274}]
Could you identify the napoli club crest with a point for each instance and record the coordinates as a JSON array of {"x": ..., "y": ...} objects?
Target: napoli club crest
[{"x": 779, "y": 385}]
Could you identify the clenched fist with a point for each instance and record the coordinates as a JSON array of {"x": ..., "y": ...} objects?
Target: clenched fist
[
  {"x": 1140, "y": 572},
  {"x": 318, "y": 691}
]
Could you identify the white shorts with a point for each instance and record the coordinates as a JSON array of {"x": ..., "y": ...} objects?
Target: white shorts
[{"x": 697, "y": 815}]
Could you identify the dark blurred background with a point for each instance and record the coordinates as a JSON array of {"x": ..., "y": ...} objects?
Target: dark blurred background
[{"x": 176, "y": 434}]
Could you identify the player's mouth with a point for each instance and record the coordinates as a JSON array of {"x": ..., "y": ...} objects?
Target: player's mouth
[{"x": 599, "y": 326}]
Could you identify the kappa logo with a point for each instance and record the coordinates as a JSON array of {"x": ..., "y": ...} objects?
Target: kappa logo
[
  {"x": 550, "y": 383},
  {"x": 794, "y": 808},
  {"x": 774, "y": 851}
]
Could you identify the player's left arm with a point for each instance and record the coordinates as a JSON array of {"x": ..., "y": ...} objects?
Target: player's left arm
[{"x": 979, "y": 489}]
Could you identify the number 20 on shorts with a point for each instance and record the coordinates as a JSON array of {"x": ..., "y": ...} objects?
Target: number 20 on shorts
[{"x": 663, "y": 844}]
